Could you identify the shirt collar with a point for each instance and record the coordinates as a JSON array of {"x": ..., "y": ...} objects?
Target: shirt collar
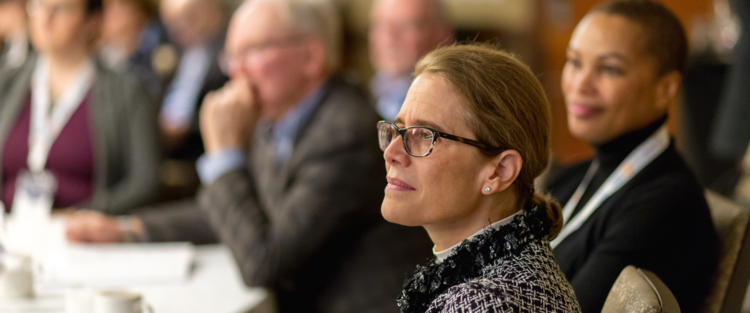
[
  {"x": 283, "y": 133},
  {"x": 442, "y": 255},
  {"x": 289, "y": 124}
]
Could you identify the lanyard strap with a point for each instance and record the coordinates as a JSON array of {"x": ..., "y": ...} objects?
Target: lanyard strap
[
  {"x": 643, "y": 155},
  {"x": 46, "y": 125}
]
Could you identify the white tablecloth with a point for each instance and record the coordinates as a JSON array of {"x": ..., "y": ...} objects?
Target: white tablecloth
[{"x": 215, "y": 285}]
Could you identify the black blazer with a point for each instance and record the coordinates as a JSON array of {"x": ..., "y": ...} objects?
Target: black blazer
[{"x": 658, "y": 221}]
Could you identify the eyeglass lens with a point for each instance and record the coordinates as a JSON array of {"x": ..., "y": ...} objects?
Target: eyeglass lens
[{"x": 417, "y": 141}]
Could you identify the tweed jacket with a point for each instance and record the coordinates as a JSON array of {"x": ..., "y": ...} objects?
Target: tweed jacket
[
  {"x": 124, "y": 126},
  {"x": 310, "y": 230},
  {"x": 529, "y": 282},
  {"x": 509, "y": 269}
]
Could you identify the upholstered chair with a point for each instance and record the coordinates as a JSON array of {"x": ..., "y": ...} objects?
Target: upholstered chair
[
  {"x": 733, "y": 268},
  {"x": 639, "y": 291}
]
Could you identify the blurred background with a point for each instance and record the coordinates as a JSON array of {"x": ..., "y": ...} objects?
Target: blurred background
[{"x": 150, "y": 39}]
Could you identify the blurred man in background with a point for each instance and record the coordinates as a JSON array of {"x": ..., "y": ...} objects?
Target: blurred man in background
[
  {"x": 197, "y": 27},
  {"x": 402, "y": 32},
  {"x": 299, "y": 209},
  {"x": 131, "y": 35},
  {"x": 14, "y": 38}
]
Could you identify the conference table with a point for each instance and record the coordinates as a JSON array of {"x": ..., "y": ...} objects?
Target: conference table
[{"x": 213, "y": 284}]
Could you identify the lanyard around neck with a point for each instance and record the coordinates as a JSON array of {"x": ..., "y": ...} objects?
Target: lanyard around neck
[
  {"x": 643, "y": 155},
  {"x": 45, "y": 124}
]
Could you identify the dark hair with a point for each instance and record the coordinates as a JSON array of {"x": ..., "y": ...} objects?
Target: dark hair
[
  {"x": 149, "y": 8},
  {"x": 664, "y": 34},
  {"x": 94, "y": 7},
  {"x": 506, "y": 108}
]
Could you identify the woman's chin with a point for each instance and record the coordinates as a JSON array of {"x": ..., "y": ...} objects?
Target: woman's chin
[
  {"x": 586, "y": 131},
  {"x": 397, "y": 214}
]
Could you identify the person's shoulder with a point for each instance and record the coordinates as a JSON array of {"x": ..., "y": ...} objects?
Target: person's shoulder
[
  {"x": 121, "y": 87},
  {"x": 527, "y": 282},
  {"x": 345, "y": 106},
  {"x": 470, "y": 297},
  {"x": 342, "y": 93},
  {"x": 125, "y": 81},
  {"x": 10, "y": 74},
  {"x": 493, "y": 295},
  {"x": 668, "y": 180}
]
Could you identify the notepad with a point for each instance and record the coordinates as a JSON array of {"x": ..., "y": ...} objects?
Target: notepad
[{"x": 104, "y": 265}]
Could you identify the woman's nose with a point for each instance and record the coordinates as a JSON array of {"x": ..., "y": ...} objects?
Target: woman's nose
[{"x": 395, "y": 154}]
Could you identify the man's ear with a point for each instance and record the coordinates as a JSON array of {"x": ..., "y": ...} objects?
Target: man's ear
[
  {"x": 315, "y": 60},
  {"x": 502, "y": 171}
]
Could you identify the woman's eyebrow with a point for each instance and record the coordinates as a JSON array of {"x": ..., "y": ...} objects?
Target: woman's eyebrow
[
  {"x": 429, "y": 124},
  {"x": 614, "y": 55}
]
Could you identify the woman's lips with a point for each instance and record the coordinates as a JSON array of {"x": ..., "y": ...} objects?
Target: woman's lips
[
  {"x": 583, "y": 111},
  {"x": 398, "y": 185}
]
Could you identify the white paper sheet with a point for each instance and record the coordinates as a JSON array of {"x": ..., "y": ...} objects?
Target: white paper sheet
[{"x": 118, "y": 264}]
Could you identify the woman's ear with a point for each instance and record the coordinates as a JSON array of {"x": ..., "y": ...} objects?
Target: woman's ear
[
  {"x": 668, "y": 89},
  {"x": 502, "y": 172}
]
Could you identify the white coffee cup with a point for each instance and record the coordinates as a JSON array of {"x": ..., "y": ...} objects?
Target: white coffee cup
[
  {"x": 16, "y": 276},
  {"x": 120, "y": 301}
]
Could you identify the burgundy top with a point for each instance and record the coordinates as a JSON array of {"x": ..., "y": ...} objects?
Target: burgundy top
[{"x": 71, "y": 157}]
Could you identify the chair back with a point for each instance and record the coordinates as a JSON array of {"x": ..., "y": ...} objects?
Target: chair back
[
  {"x": 730, "y": 280},
  {"x": 639, "y": 291}
]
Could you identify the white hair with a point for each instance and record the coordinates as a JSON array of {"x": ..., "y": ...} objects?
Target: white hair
[{"x": 315, "y": 18}]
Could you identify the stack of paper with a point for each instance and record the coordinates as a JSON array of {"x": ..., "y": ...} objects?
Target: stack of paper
[{"x": 118, "y": 264}]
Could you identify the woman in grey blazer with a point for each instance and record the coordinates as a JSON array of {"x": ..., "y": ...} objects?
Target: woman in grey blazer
[{"x": 61, "y": 113}]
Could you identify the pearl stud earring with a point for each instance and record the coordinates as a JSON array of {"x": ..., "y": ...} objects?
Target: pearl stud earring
[{"x": 487, "y": 189}]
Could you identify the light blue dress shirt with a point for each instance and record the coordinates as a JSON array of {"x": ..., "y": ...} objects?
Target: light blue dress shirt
[
  {"x": 181, "y": 99},
  {"x": 282, "y": 135},
  {"x": 390, "y": 92}
]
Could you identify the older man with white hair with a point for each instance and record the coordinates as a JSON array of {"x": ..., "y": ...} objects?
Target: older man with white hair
[
  {"x": 300, "y": 208},
  {"x": 401, "y": 33}
]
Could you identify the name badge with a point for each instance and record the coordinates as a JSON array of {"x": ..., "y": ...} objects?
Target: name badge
[{"x": 35, "y": 194}]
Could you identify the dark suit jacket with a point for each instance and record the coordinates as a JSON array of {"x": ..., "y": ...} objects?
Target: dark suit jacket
[
  {"x": 658, "y": 221},
  {"x": 192, "y": 145},
  {"x": 311, "y": 230},
  {"x": 126, "y": 152}
]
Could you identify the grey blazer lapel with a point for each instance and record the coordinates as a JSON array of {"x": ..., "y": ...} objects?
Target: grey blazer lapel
[
  {"x": 18, "y": 88},
  {"x": 261, "y": 165},
  {"x": 15, "y": 83},
  {"x": 303, "y": 141},
  {"x": 103, "y": 121}
]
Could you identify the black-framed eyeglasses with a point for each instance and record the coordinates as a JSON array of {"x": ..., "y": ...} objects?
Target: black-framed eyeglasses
[{"x": 419, "y": 140}]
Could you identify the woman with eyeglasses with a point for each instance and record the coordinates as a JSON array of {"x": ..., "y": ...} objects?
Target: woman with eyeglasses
[
  {"x": 73, "y": 134},
  {"x": 636, "y": 202},
  {"x": 461, "y": 158}
]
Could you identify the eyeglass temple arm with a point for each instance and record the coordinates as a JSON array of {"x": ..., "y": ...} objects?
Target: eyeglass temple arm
[{"x": 469, "y": 142}]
